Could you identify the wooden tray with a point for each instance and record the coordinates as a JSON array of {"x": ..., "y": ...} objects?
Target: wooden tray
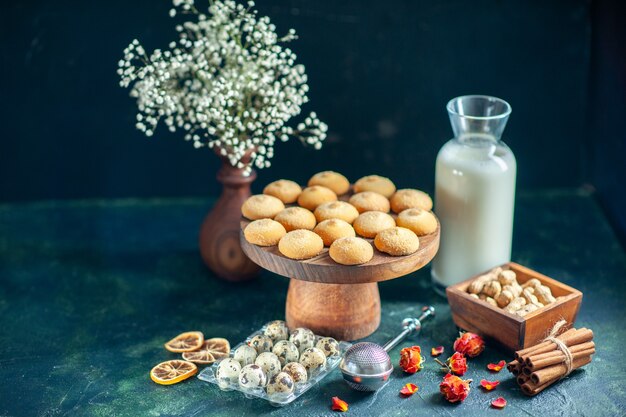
[
  {"x": 510, "y": 330},
  {"x": 337, "y": 300}
]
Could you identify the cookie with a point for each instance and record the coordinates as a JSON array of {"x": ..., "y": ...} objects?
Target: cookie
[
  {"x": 332, "y": 180},
  {"x": 351, "y": 251},
  {"x": 371, "y": 223},
  {"x": 397, "y": 241},
  {"x": 261, "y": 206},
  {"x": 333, "y": 229},
  {"x": 421, "y": 222},
  {"x": 285, "y": 190},
  {"x": 410, "y": 198},
  {"x": 264, "y": 232},
  {"x": 311, "y": 197},
  {"x": 293, "y": 218},
  {"x": 300, "y": 244},
  {"x": 336, "y": 210},
  {"x": 370, "y": 201},
  {"x": 380, "y": 185}
]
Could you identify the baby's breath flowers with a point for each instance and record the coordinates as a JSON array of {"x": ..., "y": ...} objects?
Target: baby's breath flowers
[{"x": 227, "y": 82}]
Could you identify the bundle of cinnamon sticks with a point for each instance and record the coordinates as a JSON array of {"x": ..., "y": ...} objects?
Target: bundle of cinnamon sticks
[{"x": 540, "y": 366}]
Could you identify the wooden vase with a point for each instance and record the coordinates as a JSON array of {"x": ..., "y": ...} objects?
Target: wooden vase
[{"x": 219, "y": 233}]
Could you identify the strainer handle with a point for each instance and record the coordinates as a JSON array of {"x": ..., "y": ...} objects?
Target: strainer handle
[{"x": 410, "y": 325}]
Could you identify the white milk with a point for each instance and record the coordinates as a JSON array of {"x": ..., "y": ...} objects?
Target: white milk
[{"x": 474, "y": 200}]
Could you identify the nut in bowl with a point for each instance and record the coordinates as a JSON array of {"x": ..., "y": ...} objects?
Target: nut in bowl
[{"x": 512, "y": 316}]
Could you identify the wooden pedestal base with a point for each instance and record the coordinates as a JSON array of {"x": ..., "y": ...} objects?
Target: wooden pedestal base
[{"x": 342, "y": 311}]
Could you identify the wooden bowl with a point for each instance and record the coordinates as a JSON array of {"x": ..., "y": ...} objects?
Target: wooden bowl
[{"x": 510, "y": 330}]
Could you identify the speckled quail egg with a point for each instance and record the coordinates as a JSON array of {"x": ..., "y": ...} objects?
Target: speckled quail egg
[
  {"x": 297, "y": 371},
  {"x": 302, "y": 338},
  {"x": 252, "y": 376},
  {"x": 328, "y": 345},
  {"x": 286, "y": 352},
  {"x": 313, "y": 360},
  {"x": 277, "y": 330},
  {"x": 227, "y": 372},
  {"x": 261, "y": 343},
  {"x": 269, "y": 363},
  {"x": 280, "y": 384},
  {"x": 245, "y": 355}
]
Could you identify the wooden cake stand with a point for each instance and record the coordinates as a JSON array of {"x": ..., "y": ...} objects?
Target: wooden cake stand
[{"x": 337, "y": 300}]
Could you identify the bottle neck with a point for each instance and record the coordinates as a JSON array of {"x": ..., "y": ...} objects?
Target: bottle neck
[{"x": 478, "y": 140}]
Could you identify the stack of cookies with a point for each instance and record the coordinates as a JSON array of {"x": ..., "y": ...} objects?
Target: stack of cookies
[{"x": 327, "y": 216}]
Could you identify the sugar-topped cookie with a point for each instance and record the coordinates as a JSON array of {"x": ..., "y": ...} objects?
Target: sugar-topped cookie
[
  {"x": 421, "y": 222},
  {"x": 313, "y": 196},
  {"x": 371, "y": 223},
  {"x": 286, "y": 191},
  {"x": 370, "y": 201},
  {"x": 331, "y": 179},
  {"x": 397, "y": 241},
  {"x": 336, "y": 210},
  {"x": 410, "y": 198},
  {"x": 261, "y": 206},
  {"x": 333, "y": 229},
  {"x": 351, "y": 251},
  {"x": 293, "y": 218},
  {"x": 378, "y": 184},
  {"x": 300, "y": 244},
  {"x": 264, "y": 232}
]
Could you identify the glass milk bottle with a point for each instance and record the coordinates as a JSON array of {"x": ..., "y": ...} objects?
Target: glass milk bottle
[{"x": 474, "y": 191}]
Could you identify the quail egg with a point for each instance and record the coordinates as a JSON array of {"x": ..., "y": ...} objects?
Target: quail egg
[
  {"x": 297, "y": 372},
  {"x": 313, "y": 360},
  {"x": 252, "y": 376},
  {"x": 227, "y": 372},
  {"x": 328, "y": 345},
  {"x": 261, "y": 343},
  {"x": 280, "y": 384},
  {"x": 286, "y": 352},
  {"x": 302, "y": 338},
  {"x": 277, "y": 330},
  {"x": 269, "y": 363},
  {"x": 245, "y": 355}
]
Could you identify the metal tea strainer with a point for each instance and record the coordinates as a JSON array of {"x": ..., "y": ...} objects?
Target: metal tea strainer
[{"x": 366, "y": 366}]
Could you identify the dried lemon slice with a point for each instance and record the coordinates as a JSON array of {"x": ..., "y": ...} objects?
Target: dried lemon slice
[
  {"x": 211, "y": 350},
  {"x": 171, "y": 372},
  {"x": 185, "y": 342}
]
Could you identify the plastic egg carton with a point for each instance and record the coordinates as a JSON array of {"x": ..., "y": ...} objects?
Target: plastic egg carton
[{"x": 208, "y": 375}]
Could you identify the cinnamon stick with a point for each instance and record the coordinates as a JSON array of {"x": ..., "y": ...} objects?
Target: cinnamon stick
[
  {"x": 529, "y": 388},
  {"x": 552, "y": 373},
  {"x": 556, "y": 359},
  {"x": 557, "y": 353},
  {"x": 522, "y": 379},
  {"x": 513, "y": 367},
  {"x": 569, "y": 339},
  {"x": 532, "y": 349}
]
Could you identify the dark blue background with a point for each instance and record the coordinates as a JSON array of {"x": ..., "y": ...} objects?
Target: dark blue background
[{"x": 380, "y": 75}]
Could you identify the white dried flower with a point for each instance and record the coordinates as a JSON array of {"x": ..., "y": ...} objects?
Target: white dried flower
[{"x": 227, "y": 82}]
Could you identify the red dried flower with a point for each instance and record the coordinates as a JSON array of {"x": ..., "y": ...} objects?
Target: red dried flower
[
  {"x": 469, "y": 344},
  {"x": 436, "y": 351},
  {"x": 454, "y": 389},
  {"x": 408, "y": 390},
  {"x": 411, "y": 359},
  {"x": 496, "y": 367},
  {"x": 457, "y": 364},
  {"x": 499, "y": 403},
  {"x": 339, "y": 405},
  {"x": 489, "y": 385}
]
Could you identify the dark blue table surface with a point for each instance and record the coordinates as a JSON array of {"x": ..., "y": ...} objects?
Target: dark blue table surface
[{"x": 90, "y": 291}]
